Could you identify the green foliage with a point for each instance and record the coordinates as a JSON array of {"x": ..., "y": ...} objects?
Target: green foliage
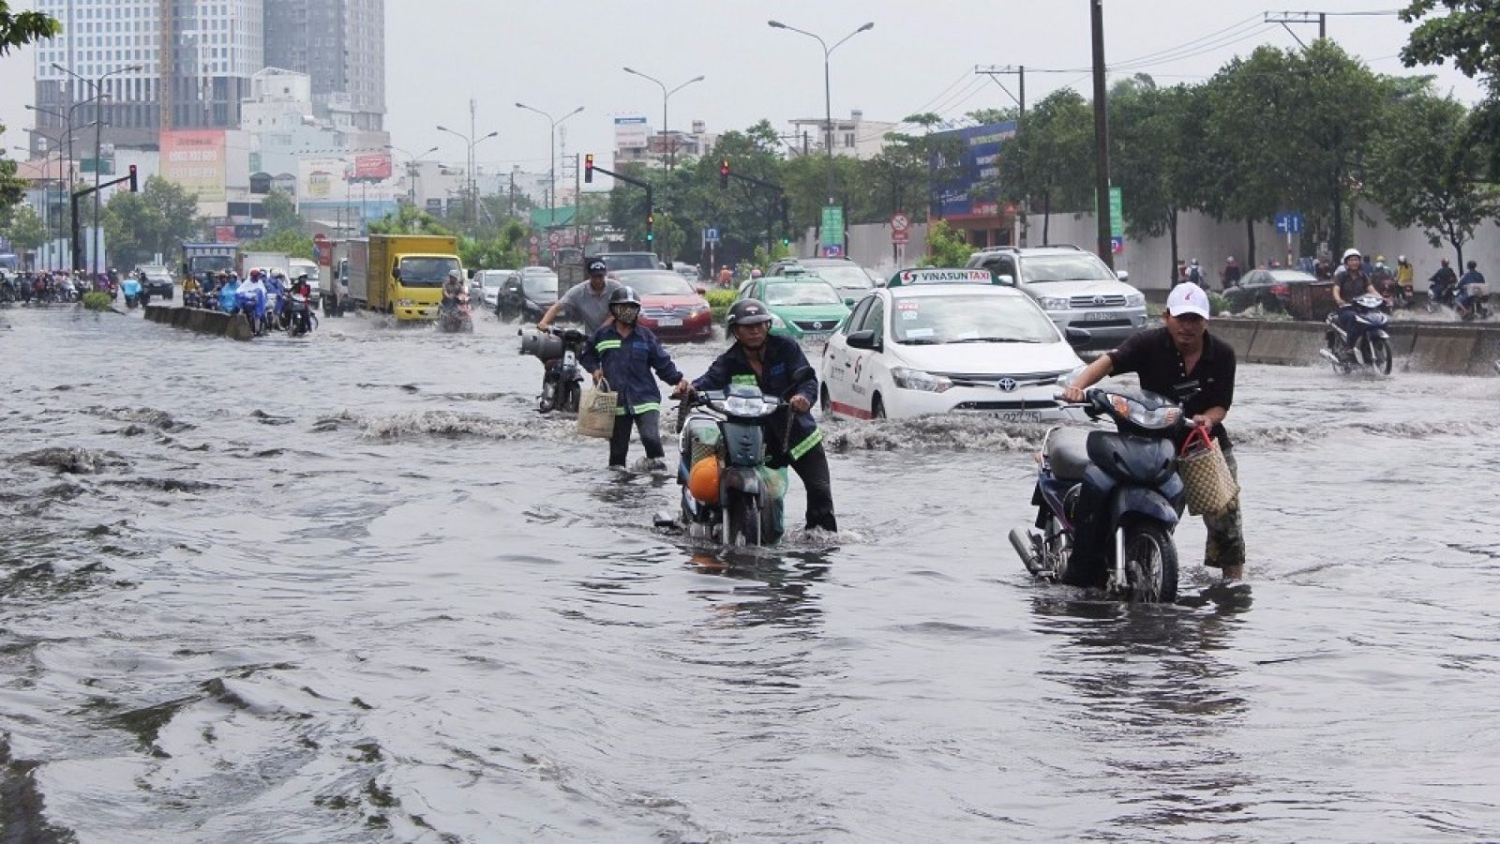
[
  {"x": 1465, "y": 34},
  {"x": 719, "y": 301},
  {"x": 409, "y": 220},
  {"x": 281, "y": 214},
  {"x": 1051, "y": 159},
  {"x": 25, "y": 228},
  {"x": 97, "y": 300},
  {"x": 1217, "y": 304},
  {"x": 504, "y": 250},
  {"x": 290, "y": 242},
  {"x": 156, "y": 220},
  {"x": 946, "y": 246},
  {"x": 20, "y": 28}
]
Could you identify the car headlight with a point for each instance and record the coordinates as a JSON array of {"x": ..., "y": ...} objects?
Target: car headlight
[
  {"x": 1066, "y": 378},
  {"x": 1135, "y": 300},
  {"x": 405, "y": 303},
  {"x": 1053, "y": 303},
  {"x": 916, "y": 379},
  {"x": 701, "y": 309},
  {"x": 776, "y": 322}
]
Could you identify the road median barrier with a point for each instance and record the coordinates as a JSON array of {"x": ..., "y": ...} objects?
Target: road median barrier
[
  {"x": 233, "y": 326},
  {"x": 1416, "y": 346}
]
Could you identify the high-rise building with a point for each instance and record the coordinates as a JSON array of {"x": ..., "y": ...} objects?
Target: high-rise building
[
  {"x": 188, "y": 69},
  {"x": 340, "y": 44}
]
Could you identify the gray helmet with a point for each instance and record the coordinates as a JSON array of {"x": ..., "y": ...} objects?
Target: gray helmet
[
  {"x": 624, "y": 296},
  {"x": 746, "y": 312},
  {"x": 624, "y": 305}
]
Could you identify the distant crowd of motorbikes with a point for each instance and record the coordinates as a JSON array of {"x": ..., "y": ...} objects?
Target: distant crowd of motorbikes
[
  {"x": 47, "y": 287},
  {"x": 268, "y": 300}
]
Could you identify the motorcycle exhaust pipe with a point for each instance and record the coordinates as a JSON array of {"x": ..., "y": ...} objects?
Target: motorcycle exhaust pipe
[{"x": 1021, "y": 541}]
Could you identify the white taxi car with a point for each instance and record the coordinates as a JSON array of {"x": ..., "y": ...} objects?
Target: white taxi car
[{"x": 947, "y": 340}]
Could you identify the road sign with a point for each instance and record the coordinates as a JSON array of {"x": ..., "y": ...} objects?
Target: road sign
[
  {"x": 1117, "y": 244},
  {"x": 535, "y": 240},
  {"x": 1289, "y": 222},
  {"x": 900, "y": 235},
  {"x": 1117, "y": 216},
  {"x": 833, "y": 226},
  {"x": 833, "y": 250},
  {"x": 554, "y": 239},
  {"x": 899, "y": 222},
  {"x": 710, "y": 235}
]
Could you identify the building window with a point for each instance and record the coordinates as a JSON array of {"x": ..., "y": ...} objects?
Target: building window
[{"x": 849, "y": 140}]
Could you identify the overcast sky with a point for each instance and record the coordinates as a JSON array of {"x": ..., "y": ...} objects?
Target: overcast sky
[{"x": 560, "y": 54}]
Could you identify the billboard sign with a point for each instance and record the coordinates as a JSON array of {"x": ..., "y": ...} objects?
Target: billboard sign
[
  {"x": 976, "y": 171},
  {"x": 632, "y": 133},
  {"x": 194, "y": 159},
  {"x": 374, "y": 168}
]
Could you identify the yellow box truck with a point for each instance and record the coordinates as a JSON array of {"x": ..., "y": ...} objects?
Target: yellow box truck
[{"x": 401, "y": 274}]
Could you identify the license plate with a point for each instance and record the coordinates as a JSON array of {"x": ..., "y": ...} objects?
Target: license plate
[
  {"x": 669, "y": 322},
  {"x": 1021, "y": 416},
  {"x": 1097, "y": 317}
]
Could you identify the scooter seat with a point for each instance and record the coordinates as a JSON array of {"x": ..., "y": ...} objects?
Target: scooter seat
[{"x": 1068, "y": 453}]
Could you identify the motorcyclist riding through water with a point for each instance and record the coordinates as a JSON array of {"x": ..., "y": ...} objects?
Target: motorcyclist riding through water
[
  {"x": 1349, "y": 283},
  {"x": 778, "y": 366},
  {"x": 452, "y": 287}
]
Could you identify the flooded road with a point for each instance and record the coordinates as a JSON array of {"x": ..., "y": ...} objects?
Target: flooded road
[{"x": 354, "y": 588}]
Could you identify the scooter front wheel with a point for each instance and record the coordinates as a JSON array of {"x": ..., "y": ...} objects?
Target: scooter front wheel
[
  {"x": 1150, "y": 563},
  {"x": 742, "y": 516}
]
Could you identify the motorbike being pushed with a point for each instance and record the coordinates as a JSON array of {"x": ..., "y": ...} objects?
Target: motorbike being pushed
[
  {"x": 559, "y": 350},
  {"x": 1108, "y": 502},
  {"x": 730, "y": 491},
  {"x": 454, "y": 316},
  {"x": 1372, "y": 351}
]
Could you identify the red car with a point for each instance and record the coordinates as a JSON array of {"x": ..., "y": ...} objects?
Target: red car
[{"x": 671, "y": 307}]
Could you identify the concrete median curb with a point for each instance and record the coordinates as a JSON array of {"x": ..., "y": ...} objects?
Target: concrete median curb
[
  {"x": 1417, "y": 346},
  {"x": 233, "y": 326}
]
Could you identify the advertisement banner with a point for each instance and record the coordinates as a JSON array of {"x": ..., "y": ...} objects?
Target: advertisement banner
[
  {"x": 977, "y": 170},
  {"x": 632, "y": 133},
  {"x": 194, "y": 159},
  {"x": 375, "y": 167},
  {"x": 320, "y": 179}
]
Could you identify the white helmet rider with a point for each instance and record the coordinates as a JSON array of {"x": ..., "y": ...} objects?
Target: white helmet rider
[{"x": 1351, "y": 252}]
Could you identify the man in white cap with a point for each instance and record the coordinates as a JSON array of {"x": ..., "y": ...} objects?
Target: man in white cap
[{"x": 1186, "y": 364}]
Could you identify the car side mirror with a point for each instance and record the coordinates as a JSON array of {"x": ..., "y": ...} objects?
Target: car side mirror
[
  {"x": 1123, "y": 275},
  {"x": 471, "y": 273},
  {"x": 866, "y": 340},
  {"x": 396, "y": 274},
  {"x": 701, "y": 290},
  {"x": 1079, "y": 337},
  {"x": 849, "y": 303},
  {"x": 1007, "y": 279}
]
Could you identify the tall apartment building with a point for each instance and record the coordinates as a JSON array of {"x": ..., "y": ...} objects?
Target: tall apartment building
[
  {"x": 187, "y": 71},
  {"x": 340, "y": 44}
]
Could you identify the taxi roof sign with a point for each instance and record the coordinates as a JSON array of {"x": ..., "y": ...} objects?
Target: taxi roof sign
[{"x": 937, "y": 275}]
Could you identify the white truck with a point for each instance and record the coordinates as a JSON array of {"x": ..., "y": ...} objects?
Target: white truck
[{"x": 267, "y": 261}]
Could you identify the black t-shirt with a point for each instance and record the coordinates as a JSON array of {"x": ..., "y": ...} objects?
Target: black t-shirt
[
  {"x": 1351, "y": 285},
  {"x": 1154, "y": 357}
]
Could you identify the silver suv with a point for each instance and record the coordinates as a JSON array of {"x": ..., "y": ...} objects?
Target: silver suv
[{"x": 1074, "y": 287}]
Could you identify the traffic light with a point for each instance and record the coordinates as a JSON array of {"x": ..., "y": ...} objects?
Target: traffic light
[
  {"x": 588, "y": 168},
  {"x": 650, "y": 223},
  {"x": 724, "y": 174},
  {"x": 133, "y": 187}
]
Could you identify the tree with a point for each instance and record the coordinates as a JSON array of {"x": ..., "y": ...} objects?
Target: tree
[
  {"x": 25, "y": 228},
  {"x": 946, "y": 246},
  {"x": 20, "y": 28},
  {"x": 1428, "y": 174},
  {"x": 280, "y": 210},
  {"x": 409, "y": 220},
  {"x": 1151, "y": 138},
  {"x": 1466, "y": 35},
  {"x": 1052, "y": 156},
  {"x": 156, "y": 220},
  {"x": 289, "y": 242}
]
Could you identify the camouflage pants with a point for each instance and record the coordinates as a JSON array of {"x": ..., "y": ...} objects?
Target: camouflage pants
[{"x": 1226, "y": 536}]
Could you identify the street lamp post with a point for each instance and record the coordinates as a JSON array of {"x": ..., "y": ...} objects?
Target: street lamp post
[
  {"x": 411, "y": 168},
  {"x": 470, "y": 210},
  {"x": 64, "y": 180},
  {"x": 669, "y": 156},
  {"x": 827, "y": 88},
  {"x": 96, "y": 87},
  {"x": 552, "y": 157}
]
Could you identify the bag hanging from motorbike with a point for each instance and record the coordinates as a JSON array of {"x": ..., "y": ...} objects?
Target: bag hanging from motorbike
[
  {"x": 596, "y": 411},
  {"x": 1207, "y": 482}
]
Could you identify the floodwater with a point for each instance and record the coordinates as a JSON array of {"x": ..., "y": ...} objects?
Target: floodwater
[{"x": 353, "y": 588}]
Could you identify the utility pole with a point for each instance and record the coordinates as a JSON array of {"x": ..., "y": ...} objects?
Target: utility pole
[
  {"x": 1101, "y": 140},
  {"x": 1285, "y": 18},
  {"x": 1020, "y": 71}
]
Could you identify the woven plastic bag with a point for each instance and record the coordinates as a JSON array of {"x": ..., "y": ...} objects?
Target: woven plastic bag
[
  {"x": 1208, "y": 484},
  {"x": 596, "y": 411}
]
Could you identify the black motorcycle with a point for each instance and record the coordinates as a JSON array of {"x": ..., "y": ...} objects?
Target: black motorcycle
[
  {"x": 559, "y": 350},
  {"x": 1108, "y": 502},
  {"x": 1372, "y": 351},
  {"x": 298, "y": 318}
]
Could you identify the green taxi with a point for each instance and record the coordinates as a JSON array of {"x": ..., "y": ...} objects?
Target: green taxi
[{"x": 802, "y": 306}]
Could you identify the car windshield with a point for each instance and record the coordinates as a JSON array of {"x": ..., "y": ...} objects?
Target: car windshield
[
  {"x": 801, "y": 293},
  {"x": 492, "y": 281},
  {"x": 933, "y": 320},
  {"x": 1073, "y": 267},
  {"x": 539, "y": 286},
  {"x": 657, "y": 284},
  {"x": 426, "y": 271},
  {"x": 843, "y": 276},
  {"x": 211, "y": 263},
  {"x": 629, "y": 261}
]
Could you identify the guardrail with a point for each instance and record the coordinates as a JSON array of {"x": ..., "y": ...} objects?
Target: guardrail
[
  {"x": 217, "y": 323},
  {"x": 1417, "y": 346}
]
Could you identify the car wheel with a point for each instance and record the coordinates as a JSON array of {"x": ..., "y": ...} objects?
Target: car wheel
[
  {"x": 877, "y": 408},
  {"x": 824, "y": 403}
]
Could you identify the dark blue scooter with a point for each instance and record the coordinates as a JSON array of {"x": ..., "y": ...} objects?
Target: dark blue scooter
[{"x": 1108, "y": 502}]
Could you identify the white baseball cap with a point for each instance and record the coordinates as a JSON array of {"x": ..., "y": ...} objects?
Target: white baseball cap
[{"x": 1187, "y": 298}]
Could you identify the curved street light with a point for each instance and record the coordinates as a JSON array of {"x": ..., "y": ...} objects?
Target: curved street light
[
  {"x": 827, "y": 89},
  {"x": 552, "y": 167},
  {"x": 411, "y": 168},
  {"x": 671, "y": 158},
  {"x": 96, "y": 87},
  {"x": 471, "y": 211}
]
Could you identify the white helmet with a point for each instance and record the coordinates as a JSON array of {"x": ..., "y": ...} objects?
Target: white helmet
[
  {"x": 1351, "y": 252},
  {"x": 1400, "y": 259}
]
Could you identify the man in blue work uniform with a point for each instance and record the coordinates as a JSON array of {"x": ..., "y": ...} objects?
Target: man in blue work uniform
[{"x": 778, "y": 366}]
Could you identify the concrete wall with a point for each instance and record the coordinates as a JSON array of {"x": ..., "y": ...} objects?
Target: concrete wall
[
  {"x": 870, "y": 246},
  {"x": 235, "y": 327},
  {"x": 1417, "y": 347}
]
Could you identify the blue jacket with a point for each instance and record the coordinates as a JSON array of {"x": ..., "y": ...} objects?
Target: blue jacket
[
  {"x": 627, "y": 363},
  {"x": 781, "y": 359}
]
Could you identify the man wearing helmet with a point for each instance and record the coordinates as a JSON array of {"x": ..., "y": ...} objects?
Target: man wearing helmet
[
  {"x": 778, "y": 366},
  {"x": 623, "y": 355},
  {"x": 1349, "y": 283},
  {"x": 588, "y": 302},
  {"x": 1441, "y": 281}
]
